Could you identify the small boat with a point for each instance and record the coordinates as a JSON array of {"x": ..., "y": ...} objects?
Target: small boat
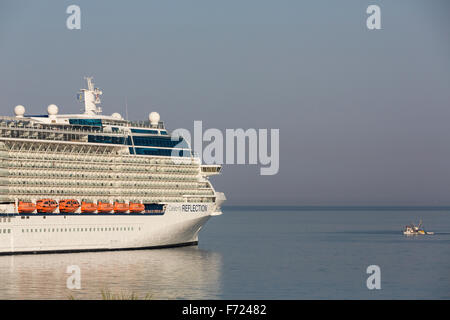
[
  {"x": 26, "y": 207},
  {"x": 68, "y": 205},
  {"x": 46, "y": 205},
  {"x": 88, "y": 207},
  {"x": 415, "y": 230},
  {"x": 136, "y": 207},
  {"x": 104, "y": 207},
  {"x": 120, "y": 207}
]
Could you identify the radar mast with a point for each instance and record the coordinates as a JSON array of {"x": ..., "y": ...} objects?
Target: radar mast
[{"x": 90, "y": 97}]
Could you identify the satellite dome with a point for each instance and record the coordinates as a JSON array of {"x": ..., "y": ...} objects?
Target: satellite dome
[
  {"x": 19, "y": 111},
  {"x": 116, "y": 115},
  {"x": 154, "y": 118},
  {"x": 52, "y": 110}
]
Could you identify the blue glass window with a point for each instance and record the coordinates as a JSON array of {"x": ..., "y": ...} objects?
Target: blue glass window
[
  {"x": 164, "y": 142},
  {"x": 86, "y": 122},
  {"x": 144, "y": 131},
  {"x": 154, "y": 208},
  {"x": 106, "y": 139},
  {"x": 161, "y": 152}
]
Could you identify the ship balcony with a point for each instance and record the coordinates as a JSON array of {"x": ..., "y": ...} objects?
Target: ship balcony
[{"x": 212, "y": 169}]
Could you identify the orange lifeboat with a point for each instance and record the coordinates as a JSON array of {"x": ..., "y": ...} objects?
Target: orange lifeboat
[
  {"x": 88, "y": 207},
  {"x": 120, "y": 207},
  {"x": 46, "y": 205},
  {"x": 136, "y": 207},
  {"x": 26, "y": 207},
  {"x": 104, "y": 207},
  {"x": 68, "y": 205}
]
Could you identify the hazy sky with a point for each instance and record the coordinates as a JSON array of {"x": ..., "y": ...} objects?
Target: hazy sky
[{"x": 364, "y": 116}]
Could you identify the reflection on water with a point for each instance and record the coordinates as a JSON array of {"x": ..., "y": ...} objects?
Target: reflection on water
[{"x": 178, "y": 273}]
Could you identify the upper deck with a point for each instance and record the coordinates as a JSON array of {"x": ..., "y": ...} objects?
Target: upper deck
[{"x": 91, "y": 127}]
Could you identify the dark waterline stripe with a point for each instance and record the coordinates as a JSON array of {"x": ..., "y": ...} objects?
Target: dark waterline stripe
[{"x": 185, "y": 244}]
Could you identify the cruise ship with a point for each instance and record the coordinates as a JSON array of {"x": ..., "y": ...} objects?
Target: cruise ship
[{"x": 94, "y": 182}]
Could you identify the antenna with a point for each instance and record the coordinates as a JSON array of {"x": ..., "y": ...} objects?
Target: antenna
[
  {"x": 90, "y": 83},
  {"x": 126, "y": 108}
]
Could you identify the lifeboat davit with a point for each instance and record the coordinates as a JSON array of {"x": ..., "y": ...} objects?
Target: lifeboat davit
[
  {"x": 68, "y": 205},
  {"x": 120, "y": 207},
  {"x": 26, "y": 207},
  {"x": 136, "y": 207},
  {"x": 104, "y": 207},
  {"x": 88, "y": 207},
  {"x": 46, "y": 205}
]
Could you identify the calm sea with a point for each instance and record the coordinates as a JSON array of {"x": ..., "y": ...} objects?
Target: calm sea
[{"x": 260, "y": 254}]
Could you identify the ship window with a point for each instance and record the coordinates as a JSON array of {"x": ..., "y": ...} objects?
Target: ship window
[
  {"x": 9, "y": 230},
  {"x": 144, "y": 131},
  {"x": 158, "y": 142}
]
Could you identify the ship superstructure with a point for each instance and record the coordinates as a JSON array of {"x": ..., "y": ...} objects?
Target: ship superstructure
[{"x": 101, "y": 170}]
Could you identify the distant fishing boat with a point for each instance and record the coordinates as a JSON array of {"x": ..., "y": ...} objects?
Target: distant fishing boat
[{"x": 415, "y": 230}]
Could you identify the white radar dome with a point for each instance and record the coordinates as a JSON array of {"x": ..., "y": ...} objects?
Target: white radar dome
[
  {"x": 116, "y": 115},
  {"x": 154, "y": 118},
  {"x": 19, "y": 111},
  {"x": 52, "y": 110}
]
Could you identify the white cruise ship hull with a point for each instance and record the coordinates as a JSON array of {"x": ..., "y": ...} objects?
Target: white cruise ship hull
[
  {"x": 39, "y": 233},
  {"x": 72, "y": 164}
]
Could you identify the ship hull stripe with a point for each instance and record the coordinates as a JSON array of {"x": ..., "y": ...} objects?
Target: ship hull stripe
[{"x": 176, "y": 245}]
